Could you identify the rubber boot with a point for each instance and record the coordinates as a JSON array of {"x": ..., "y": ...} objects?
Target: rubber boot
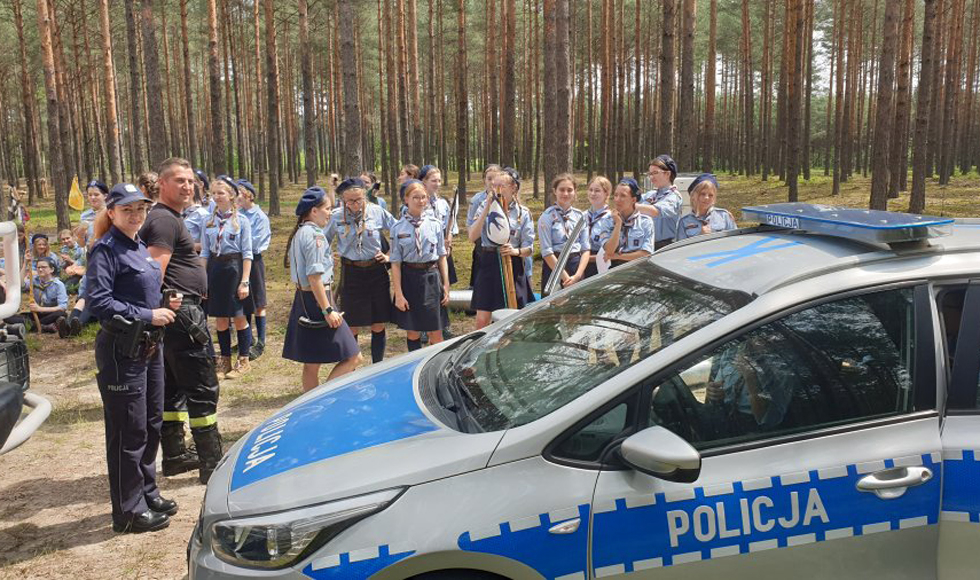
[
  {"x": 208, "y": 441},
  {"x": 177, "y": 458}
]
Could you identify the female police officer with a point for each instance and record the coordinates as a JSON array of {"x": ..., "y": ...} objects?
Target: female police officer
[
  {"x": 420, "y": 275},
  {"x": 365, "y": 289},
  {"x": 123, "y": 292},
  {"x": 632, "y": 234},
  {"x": 316, "y": 333}
]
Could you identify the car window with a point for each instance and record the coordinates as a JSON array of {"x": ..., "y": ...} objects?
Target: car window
[
  {"x": 837, "y": 362},
  {"x": 540, "y": 360},
  {"x": 957, "y": 309},
  {"x": 588, "y": 443}
]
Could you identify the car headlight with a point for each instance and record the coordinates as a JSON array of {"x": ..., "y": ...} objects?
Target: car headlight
[{"x": 277, "y": 540}]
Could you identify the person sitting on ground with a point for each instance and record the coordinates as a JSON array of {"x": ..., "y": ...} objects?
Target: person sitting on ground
[
  {"x": 41, "y": 248},
  {"x": 72, "y": 255},
  {"x": 50, "y": 298}
]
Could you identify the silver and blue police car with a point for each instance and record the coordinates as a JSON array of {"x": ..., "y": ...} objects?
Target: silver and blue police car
[{"x": 794, "y": 398}]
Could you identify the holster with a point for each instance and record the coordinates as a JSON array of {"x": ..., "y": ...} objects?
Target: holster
[{"x": 130, "y": 336}]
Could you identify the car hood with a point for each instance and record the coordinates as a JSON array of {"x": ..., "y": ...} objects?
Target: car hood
[{"x": 368, "y": 433}]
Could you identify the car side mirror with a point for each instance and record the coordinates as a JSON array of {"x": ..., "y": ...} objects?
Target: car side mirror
[
  {"x": 11, "y": 405},
  {"x": 661, "y": 453}
]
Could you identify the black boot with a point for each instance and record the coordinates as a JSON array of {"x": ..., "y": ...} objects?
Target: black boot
[
  {"x": 177, "y": 458},
  {"x": 208, "y": 441}
]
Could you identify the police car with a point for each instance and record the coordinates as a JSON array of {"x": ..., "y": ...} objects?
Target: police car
[{"x": 794, "y": 398}]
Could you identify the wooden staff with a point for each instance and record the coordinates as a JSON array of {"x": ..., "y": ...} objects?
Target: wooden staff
[
  {"x": 507, "y": 268},
  {"x": 30, "y": 277}
]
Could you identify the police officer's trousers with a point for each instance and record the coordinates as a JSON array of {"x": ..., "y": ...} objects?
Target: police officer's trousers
[
  {"x": 191, "y": 385},
  {"x": 132, "y": 399}
]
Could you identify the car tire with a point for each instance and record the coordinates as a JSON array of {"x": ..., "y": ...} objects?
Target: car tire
[{"x": 459, "y": 574}]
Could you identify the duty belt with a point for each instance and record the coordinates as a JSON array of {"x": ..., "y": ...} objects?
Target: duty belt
[{"x": 420, "y": 265}]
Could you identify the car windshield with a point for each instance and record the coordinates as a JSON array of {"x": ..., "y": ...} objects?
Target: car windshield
[{"x": 541, "y": 360}]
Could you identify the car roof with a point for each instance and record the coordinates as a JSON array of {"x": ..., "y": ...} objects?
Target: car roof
[{"x": 757, "y": 260}]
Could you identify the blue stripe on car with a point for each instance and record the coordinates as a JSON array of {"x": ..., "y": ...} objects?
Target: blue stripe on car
[{"x": 375, "y": 410}]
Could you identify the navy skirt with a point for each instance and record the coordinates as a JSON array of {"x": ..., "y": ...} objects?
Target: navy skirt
[
  {"x": 256, "y": 290},
  {"x": 591, "y": 270},
  {"x": 224, "y": 276},
  {"x": 488, "y": 292},
  {"x": 423, "y": 291},
  {"x": 475, "y": 264},
  {"x": 451, "y": 266},
  {"x": 365, "y": 295},
  {"x": 315, "y": 345},
  {"x": 571, "y": 266}
]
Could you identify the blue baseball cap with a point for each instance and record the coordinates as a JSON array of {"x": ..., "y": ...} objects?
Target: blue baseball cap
[
  {"x": 709, "y": 177},
  {"x": 125, "y": 194},
  {"x": 312, "y": 197}
]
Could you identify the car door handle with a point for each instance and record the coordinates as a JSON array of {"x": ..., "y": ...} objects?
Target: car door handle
[
  {"x": 893, "y": 483},
  {"x": 566, "y": 527}
]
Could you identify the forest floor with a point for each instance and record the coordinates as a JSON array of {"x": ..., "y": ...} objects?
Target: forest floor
[{"x": 54, "y": 506}]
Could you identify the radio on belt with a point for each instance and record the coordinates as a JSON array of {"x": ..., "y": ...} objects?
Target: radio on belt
[{"x": 864, "y": 225}]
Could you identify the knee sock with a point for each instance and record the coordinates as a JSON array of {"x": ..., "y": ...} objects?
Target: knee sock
[
  {"x": 248, "y": 319},
  {"x": 260, "y": 327},
  {"x": 244, "y": 341},
  {"x": 378, "y": 342},
  {"x": 414, "y": 344},
  {"x": 224, "y": 342}
]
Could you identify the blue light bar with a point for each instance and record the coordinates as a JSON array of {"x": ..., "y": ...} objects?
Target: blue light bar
[{"x": 883, "y": 227}]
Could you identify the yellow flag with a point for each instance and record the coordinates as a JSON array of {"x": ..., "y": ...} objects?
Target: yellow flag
[{"x": 75, "y": 199}]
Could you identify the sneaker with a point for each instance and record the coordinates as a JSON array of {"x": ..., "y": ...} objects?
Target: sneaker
[{"x": 62, "y": 324}]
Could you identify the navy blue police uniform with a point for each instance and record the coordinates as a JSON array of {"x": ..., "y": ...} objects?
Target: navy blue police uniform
[
  {"x": 123, "y": 289},
  {"x": 190, "y": 381},
  {"x": 308, "y": 255},
  {"x": 554, "y": 229},
  {"x": 417, "y": 245}
]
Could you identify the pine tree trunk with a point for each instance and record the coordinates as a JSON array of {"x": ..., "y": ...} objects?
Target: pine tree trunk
[
  {"x": 58, "y": 178},
  {"x": 135, "y": 92},
  {"x": 462, "y": 99},
  {"x": 794, "y": 28},
  {"x": 308, "y": 112},
  {"x": 938, "y": 88},
  {"x": 708, "y": 142},
  {"x": 917, "y": 202},
  {"x": 563, "y": 81},
  {"x": 159, "y": 148},
  {"x": 353, "y": 160},
  {"x": 807, "y": 114},
  {"x": 272, "y": 85},
  {"x": 550, "y": 90},
  {"x": 109, "y": 86},
  {"x": 885, "y": 111},
  {"x": 947, "y": 153},
  {"x": 902, "y": 103},
  {"x": 748, "y": 104},
  {"x": 969, "y": 135},
  {"x": 214, "y": 74},
  {"x": 687, "y": 145},
  {"x": 508, "y": 113},
  {"x": 30, "y": 144},
  {"x": 393, "y": 88},
  {"x": 667, "y": 77},
  {"x": 194, "y": 156}
]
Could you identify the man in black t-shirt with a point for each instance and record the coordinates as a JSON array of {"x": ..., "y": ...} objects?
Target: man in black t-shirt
[{"x": 191, "y": 385}]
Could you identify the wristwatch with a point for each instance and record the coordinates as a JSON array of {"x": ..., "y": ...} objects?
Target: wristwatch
[
  {"x": 245, "y": 283},
  {"x": 327, "y": 311}
]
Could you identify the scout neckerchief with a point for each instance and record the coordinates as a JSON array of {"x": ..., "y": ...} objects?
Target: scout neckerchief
[
  {"x": 222, "y": 220},
  {"x": 662, "y": 192},
  {"x": 595, "y": 216},
  {"x": 417, "y": 234},
  {"x": 358, "y": 225},
  {"x": 564, "y": 215},
  {"x": 624, "y": 237},
  {"x": 707, "y": 214},
  {"x": 41, "y": 286},
  {"x": 515, "y": 223}
]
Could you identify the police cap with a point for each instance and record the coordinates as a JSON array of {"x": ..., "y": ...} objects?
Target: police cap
[{"x": 125, "y": 194}]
